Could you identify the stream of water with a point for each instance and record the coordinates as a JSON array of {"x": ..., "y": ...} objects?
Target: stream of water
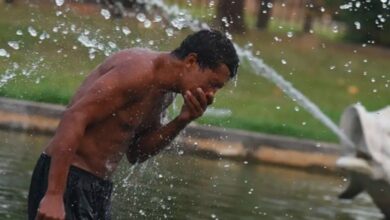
[{"x": 180, "y": 19}]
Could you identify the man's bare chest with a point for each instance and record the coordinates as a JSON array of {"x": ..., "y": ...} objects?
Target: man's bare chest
[{"x": 143, "y": 114}]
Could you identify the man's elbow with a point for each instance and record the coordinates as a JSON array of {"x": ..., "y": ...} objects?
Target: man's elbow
[{"x": 74, "y": 116}]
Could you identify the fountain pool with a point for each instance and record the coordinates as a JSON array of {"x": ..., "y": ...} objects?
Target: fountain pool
[{"x": 187, "y": 187}]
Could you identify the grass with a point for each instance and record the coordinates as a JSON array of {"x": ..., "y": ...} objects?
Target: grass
[{"x": 333, "y": 75}]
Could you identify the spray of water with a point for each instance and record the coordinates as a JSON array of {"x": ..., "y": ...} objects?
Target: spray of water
[
  {"x": 259, "y": 67},
  {"x": 180, "y": 19}
]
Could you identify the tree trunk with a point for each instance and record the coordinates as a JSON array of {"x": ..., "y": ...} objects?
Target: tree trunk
[
  {"x": 308, "y": 22},
  {"x": 265, "y": 12},
  {"x": 119, "y": 8},
  {"x": 230, "y": 15},
  {"x": 311, "y": 8}
]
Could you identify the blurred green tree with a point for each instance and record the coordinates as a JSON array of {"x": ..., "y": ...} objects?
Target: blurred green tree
[
  {"x": 367, "y": 20},
  {"x": 119, "y": 8},
  {"x": 265, "y": 12}
]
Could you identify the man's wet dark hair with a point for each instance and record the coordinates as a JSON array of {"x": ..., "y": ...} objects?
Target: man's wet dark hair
[{"x": 212, "y": 48}]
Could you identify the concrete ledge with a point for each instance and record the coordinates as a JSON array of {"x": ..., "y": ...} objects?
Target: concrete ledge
[
  {"x": 207, "y": 141},
  {"x": 31, "y": 108}
]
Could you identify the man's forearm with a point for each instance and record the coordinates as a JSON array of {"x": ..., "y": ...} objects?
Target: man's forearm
[
  {"x": 155, "y": 141},
  {"x": 63, "y": 147}
]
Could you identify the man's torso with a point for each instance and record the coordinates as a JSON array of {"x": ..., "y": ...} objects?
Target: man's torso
[{"x": 106, "y": 141}]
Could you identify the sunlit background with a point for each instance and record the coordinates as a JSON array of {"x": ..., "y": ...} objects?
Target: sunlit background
[{"x": 335, "y": 52}]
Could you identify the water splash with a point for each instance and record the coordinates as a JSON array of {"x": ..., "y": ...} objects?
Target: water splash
[{"x": 269, "y": 73}]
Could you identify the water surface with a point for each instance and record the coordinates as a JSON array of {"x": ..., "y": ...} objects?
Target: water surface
[{"x": 173, "y": 186}]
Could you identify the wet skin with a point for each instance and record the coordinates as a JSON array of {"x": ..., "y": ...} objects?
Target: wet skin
[{"x": 117, "y": 111}]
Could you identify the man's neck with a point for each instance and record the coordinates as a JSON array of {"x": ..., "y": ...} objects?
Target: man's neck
[{"x": 167, "y": 70}]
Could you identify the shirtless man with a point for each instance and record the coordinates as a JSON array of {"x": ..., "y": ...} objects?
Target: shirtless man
[{"x": 116, "y": 112}]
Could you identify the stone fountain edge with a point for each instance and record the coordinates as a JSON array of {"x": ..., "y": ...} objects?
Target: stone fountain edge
[{"x": 206, "y": 141}]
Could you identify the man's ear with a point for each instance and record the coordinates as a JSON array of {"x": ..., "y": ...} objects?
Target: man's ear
[{"x": 191, "y": 59}]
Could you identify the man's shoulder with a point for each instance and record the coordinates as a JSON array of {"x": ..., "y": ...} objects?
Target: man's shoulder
[
  {"x": 129, "y": 67},
  {"x": 135, "y": 54},
  {"x": 133, "y": 58}
]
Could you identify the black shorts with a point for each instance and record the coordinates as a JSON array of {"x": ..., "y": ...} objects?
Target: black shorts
[{"x": 86, "y": 196}]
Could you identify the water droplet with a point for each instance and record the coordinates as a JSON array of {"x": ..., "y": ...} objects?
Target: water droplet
[
  {"x": 85, "y": 41},
  {"x": 335, "y": 29},
  {"x": 91, "y": 56},
  {"x": 126, "y": 31},
  {"x": 60, "y": 2},
  {"x": 248, "y": 45},
  {"x": 157, "y": 18},
  {"x": 142, "y": 212},
  {"x": 169, "y": 32},
  {"x": 14, "y": 45},
  {"x": 178, "y": 23},
  {"x": 105, "y": 13},
  {"x": 3, "y": 53},
  {"x": 32, "y": 31},
  {"x": 358, "y": 4},
  {"x": 112, "y": 45},
  {"x": 357, "y": 25},
  {"x": 19, "y": 32},
  {"x": 229, "y": 36},
  {"x": 44, "y": 35},
  {"x": 147, "y": 23},
  {"x": 141, "y": 17},
  {"x": 277, "y": 39}
]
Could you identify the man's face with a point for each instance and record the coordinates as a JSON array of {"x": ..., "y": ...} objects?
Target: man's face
[{"x": 209, "y": 80}]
